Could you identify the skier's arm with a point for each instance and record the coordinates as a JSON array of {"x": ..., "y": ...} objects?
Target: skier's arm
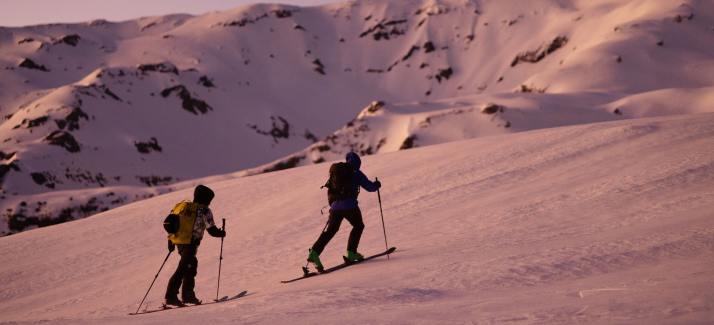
[
  {"x": 211, "y": 226},
  {"x": 366, "y": 183}
]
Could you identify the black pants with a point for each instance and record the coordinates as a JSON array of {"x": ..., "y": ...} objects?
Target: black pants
[
  {"x": 354, "y": 217},
  {"x": 185, "y": 272}
]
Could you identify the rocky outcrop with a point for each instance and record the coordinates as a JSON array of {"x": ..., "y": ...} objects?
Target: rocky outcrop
[
  {"x": 541, "y": 51},
  {"x": 204, "y": 81},
  {"x": 164, "y": 67},
  {"x": 71, "y": 121},
  {"x": 64, "y": 140},
  {"x": 491, "y": 108},
  {"x": 409, "y": 142},
  {"x": 29, "y": 64},
  {"x": 280, "y": 128},
  {"x": 71, "y": 40},
  {"x": 147, "y": 147},
  {"x": 188, "y": 103},
  {"x": 385, "y": 29}
]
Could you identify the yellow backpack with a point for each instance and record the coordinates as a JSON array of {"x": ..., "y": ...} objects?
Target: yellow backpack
[{"x": 187, "y": 218}]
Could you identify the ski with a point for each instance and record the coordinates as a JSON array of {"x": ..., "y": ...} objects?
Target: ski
[
  {"x": 164, "y": 307},
  {"x": 307, "y": 274}
]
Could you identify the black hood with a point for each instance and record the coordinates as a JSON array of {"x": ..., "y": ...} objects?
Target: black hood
[{"x": 203, "y": 195}]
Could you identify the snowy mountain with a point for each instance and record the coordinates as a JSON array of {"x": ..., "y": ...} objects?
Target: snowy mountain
[
  {"x": 606, "y": 223},
  {"x": 101, "y": 114}
]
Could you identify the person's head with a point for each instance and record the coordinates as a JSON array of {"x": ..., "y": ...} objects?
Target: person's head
[
  {"x": 203, "y": 195},
  {"x": 354, "y": 160}
]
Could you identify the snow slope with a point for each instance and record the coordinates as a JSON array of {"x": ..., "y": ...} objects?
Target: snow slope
[
  {"x": 101, "y": 114},
  {"x": 607, "y": 223}
]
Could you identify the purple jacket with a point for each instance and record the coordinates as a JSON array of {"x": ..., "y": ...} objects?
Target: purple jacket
[{"x": 360, "y": 179}]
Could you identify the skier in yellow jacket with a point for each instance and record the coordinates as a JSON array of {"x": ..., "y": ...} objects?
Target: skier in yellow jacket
[{"x": 195, "y": 218}]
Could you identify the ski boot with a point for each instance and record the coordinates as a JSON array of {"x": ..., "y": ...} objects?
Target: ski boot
[
  {"x": 314, "y": 258},
  {"x": 353, "y": 257},
  {"x": 190, "y": 300},
  {"x": 173, "y": 301}
]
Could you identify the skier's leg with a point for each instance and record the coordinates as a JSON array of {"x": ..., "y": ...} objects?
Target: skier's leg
[
  {"x": 354, "y": 217},
  {"x": 172, "y": 289},
  {"x": 333, "y": 225},
  {"x": 189, "y": 276}
]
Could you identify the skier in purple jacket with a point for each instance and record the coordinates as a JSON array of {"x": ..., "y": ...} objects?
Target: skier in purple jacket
[{"x": 346, "y": 208}]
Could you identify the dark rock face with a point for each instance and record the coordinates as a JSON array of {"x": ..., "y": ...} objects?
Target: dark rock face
[
  {"x": 284, "y": 13},
  {"x": 64, "y": 140},
  {"x": 319, "y": 67},
  {"x": 26, "y": 40},
  {"x": 429, "y": 47},
  {"x": 444, "y": 73},
  {"x": 375, "y": 106},
  {"x": 85, "y": 177},
  {"x": 159, "y": 67},
  {"x": 6, "y": 156},
  {"x": 277, "y": 131},
  {"x": 557, "y": 43},
  {"x": 71, "y": 40},
  {"x": 5, "y": 168},
  {"x": 111, "y": 94},
  {"x": 411, "y": 51},
  {"x": 147, "y": 147},
  {"x": 37, "y": 122},
  {"x": 239, "y": 23},
  {"x": 409, "y": 142},
  {"x": 29, "y": 64},
  {"x": 382, "y": 30},
  {"x": 45, "y": 178},
  {"x": 71, "y": 122},
  {"x": 206, "y": 82},
  {"x": 190, "y": 104},
  {"x": 154, "y": 180},
  {"x": 309, "y": 136},
  {"x": 529, "y": 89},
  {"x": 19, "y": 221},
  {"x": 540, "y": 52},
  {"x": 491, "y": 108},
  {"x": 39, "y": 178},
  {"x": 22, "y": 218}
]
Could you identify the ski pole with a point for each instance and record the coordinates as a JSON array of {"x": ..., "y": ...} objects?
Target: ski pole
[
  {"x": 152, "y": 282},
  {"x": 220, "y": 260},
  {"x": 382, "y": 213}
]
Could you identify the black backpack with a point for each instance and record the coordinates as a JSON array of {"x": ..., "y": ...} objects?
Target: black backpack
[
  {"x": 172, "y": 223},
  {"x": 339, "y": 185}
]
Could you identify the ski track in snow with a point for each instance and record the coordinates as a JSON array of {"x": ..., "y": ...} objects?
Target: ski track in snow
[{"x": 606, "y": 223}]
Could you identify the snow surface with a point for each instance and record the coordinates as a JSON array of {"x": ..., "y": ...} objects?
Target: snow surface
[
  {"x": 606, "y": 223},
  {"x": 255, "y": 93}
]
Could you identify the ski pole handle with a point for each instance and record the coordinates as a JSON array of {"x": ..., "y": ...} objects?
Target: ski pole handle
[{"x": 224, "y": 224}]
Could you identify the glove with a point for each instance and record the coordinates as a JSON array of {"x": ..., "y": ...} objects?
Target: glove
[
  {"x": 171, "y": 246},
  {"x": 215, "y": 232},
  {"x": 379, "y": 185}
]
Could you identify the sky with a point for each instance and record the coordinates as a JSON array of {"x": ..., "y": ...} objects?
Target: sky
[{"x": 14, "y": 13}]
